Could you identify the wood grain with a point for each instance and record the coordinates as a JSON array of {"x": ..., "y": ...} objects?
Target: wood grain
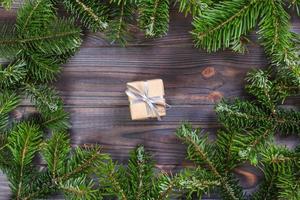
[{"x": 93, "y": 82}]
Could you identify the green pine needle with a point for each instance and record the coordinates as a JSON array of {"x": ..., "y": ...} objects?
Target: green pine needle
[
  {"x": 79, "y": 188},
  {"x": 8, "y": 102},
  {"x": 44, "y": 97},
  {"x": 9, "y": 47},
  {"x": 23, "y": 143},
  {"x": 154, "y": 17},
  {"x": 274, "y": 31},
  {"x": 92, "y": 13},
  {"x": 193, "y": 7},
  {"x": 6, "y": 3},
  {"x": 201, "y": 152},
  {"x": 13, "y": 74},
  {"x": 121, "y": 16},
  {"x": 56, "y": 151},
  {"x": 218, "y": 27}
]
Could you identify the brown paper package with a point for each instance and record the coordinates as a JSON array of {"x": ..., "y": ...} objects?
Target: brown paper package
[{"x": 139, "y": 110}]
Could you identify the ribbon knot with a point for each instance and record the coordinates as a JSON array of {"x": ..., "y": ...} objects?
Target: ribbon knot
[{"x": 152, "y": 103}]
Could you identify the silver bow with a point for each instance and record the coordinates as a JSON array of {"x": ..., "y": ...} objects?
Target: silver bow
[{"x": 143, "y": 96}]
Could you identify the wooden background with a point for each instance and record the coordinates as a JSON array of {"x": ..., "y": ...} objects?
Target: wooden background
[{"x": 93, "y": 83}]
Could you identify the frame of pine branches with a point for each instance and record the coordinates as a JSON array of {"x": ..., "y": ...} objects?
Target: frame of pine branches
[{"x": 40, "y": 41}]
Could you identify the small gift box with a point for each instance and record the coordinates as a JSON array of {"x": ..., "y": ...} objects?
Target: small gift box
[{"x": 146, "y": 99}]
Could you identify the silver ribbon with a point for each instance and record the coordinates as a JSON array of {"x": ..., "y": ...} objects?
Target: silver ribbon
[{"x": 152, "y": 103}]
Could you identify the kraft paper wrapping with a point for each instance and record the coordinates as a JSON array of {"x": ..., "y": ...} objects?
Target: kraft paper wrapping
[{"x": 139, "y": 110}]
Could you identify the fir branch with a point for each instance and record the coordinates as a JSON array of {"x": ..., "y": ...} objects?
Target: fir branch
[
  {"x": 109, "y": 177},
  {"x": 6, "y": 3},
  {"x": 198, "y": 150},
  {"x": 56, "y": 121},
  {"x": 12, "y": 74},
  {"x": 279, "y": 165},
  {"x": 8, "y": 102},
  {"x": 56, "y": 151},
  {"x": 254, "y": 142},
  {"x": 289, "y": 187},
  {"x": 193, "y": 7},
  {"x": 82, "y": 161},
  {"x": 241, "y": 115},
  {"x": 274, "y": 31},
  {"x": 42, "y": 69},
  {"x": 59, "y": 37},
  {"x": 260, "y": 85},
  {"x": 216, "y": 28},
  {"x": 9, "y": 45},
  {"x": 196, "y": 181},
  {"x": 139, "y": 173},
  {"x": 288, "y": 121},
  {"x": 92, "y": 13},
  {"x": 163, "y": 186},
  {"x": 23, "y": 144},
  {"x": 137, "y": 180},
  {"x": 228, "y": 145},
  {"x": 34, "y": 17},
  {"x": 79, "y": 188},
  {"x": 44, "y": 97},
  {"x": 40, "y": 186},
  {"x": 121, "y": 16},
  {"x": 154, "y": 17}
]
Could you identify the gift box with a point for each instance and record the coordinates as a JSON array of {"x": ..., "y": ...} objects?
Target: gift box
[{"x": 146, "y": 99}]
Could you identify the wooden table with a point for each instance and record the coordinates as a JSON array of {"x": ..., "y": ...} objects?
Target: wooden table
[{"x": 93, "y": 83}]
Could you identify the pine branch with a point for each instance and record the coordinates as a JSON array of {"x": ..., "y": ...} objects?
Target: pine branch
[
  {"x": 289, "y": 187},
  {"x": 241, "y": 115},
  {"x": 6, "y": 3},
  {"x": 289, "y": 121},
  {"x": 218, "y": 27},
  {"x": 110, "y": 178},
  {"x": 137, "y": 180},
  {"x": 56, "y": 151},
  {"x": 43, "y": 70},
  {"x": 44, "y": 97},
  {"x": 279, "y": 165},
  {"x": 193, "y": 7},
  {"x": 13, "y": 74},
  {"x": 267, "y": 190},
  {"x": 56, "y": 121},
  {"x": 154, "y": 17},
  {"x": 8, "y": 102},
  {"x": 34, "y": 17},
  {"x": 23, "y": 144},
  {"x": 260, "y": 85},
  {"x": 79, "y": 188},
  {"x": 139, "y": 174},
  {"x": 121, "y": 16},
  {"x": 163, "y": 186},
  {"x": 59, "y": 37},
  {"x": 196, "y": 181},
  {"x": 40, "y": 186},
  {"x": 9, "y": 46},
  {"x": 83, "y": 161},
  {"x": 200, "y": 152},
  {"x": 228, "y": 145},
  {"x": 254, "y": 142},
  {"x": 92, "y": 13},
  {"x": 274, "y": 31}
]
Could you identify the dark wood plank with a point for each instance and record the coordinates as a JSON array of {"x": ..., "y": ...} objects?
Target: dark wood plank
[{"x": 93, "y": 82}]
